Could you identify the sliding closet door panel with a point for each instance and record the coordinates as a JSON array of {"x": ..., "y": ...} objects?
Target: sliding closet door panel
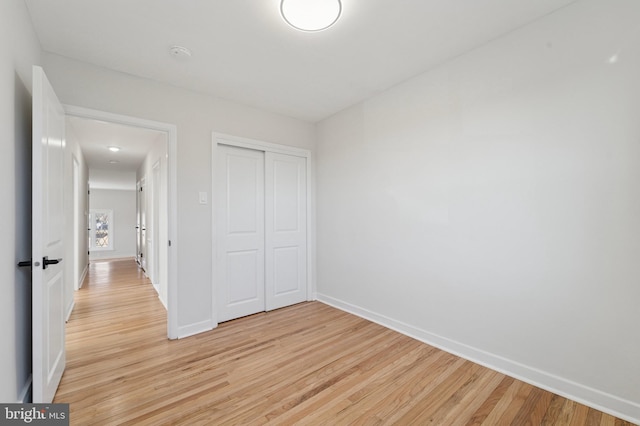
[
  {"x": 286, "y": 230},
  {"x": 240, "y": 232}
]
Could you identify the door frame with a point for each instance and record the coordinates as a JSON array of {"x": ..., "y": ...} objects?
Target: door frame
[
  {"x": 172, "y": 196},
  {"x": 143, "y": 253},
  {"x": 75, "y": 177},
  {"x": 155, "y": 225},
  {"x": 258, "y": 145}
]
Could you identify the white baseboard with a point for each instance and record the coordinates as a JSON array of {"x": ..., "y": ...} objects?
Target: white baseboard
[
  {"x": 191, "y": 329},
  {"x": 611, "y": 404},
  {"x": 25, "y": 394},
  {"x": 164, "y": 302},
  {"x": 70, "y": 310},
  {"x": 83, "y": 276},
  {"x": 109, "y": 258}
]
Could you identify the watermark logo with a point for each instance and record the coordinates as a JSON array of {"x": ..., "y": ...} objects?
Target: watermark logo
[{"x": 34, "y": 414}]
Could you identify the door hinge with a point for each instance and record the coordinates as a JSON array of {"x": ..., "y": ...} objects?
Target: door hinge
[{"x": 169, "y": 243}]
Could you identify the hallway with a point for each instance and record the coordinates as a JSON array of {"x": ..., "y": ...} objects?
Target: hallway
[{"x": 118, "y": 321}]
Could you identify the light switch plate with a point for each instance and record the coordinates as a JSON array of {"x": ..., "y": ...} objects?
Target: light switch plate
[{"x": 203, "y": 197}]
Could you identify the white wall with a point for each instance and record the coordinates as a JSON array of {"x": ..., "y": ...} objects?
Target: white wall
[
  {"x": 195, "y": 116},
  {"x": 157, "y": 156},
  {"x": 19, "y": 50},
  {"x": 492, "y": 205},
  {"x": 123, "y": 225},
  {"x": 112, "y": 179},
  {"x": 73, "y": 151}
]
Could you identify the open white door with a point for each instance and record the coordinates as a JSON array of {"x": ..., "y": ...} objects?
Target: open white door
[{"x": 48, "y": 246}]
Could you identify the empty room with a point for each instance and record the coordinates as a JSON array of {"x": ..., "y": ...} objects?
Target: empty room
[{"x": 354, "y": 211}]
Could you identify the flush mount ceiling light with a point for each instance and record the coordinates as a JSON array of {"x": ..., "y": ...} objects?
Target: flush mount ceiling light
[
  {"x": 114, "y": 148},
  {"x": 310, "y": 15}
]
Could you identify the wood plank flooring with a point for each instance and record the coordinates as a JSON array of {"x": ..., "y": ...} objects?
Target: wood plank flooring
[{"x": 308, "y": 364}]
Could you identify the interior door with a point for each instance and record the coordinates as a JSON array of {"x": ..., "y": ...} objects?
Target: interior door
[
  {"x": 138, "y": 224},
  {"x": 240, "y": 232},
  {"x": 143, "y": 224},
  {"x": 286, "y": 230},
  {"x": 48, "y": 245}
]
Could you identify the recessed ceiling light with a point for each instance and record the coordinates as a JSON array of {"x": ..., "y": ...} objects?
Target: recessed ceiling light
[
  {"x": 114, "y": 148},
  {"x": 310, "y": 15},
  {"x": 113, "y": 161}
]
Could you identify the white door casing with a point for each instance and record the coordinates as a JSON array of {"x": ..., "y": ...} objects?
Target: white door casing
[
  {"x": 148, "y": 229},
  {"x": 138, "y": 224},
  {"x": 77, "y": 239},
  {"x": 47, "y": 234},
  {"x": 286, "y": 230},
  {"x": 170, "y": 242},
  {"x": 155, "y": 226},
  {"x": 240, "y": 231}
]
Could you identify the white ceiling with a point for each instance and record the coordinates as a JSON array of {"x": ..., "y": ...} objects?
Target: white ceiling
[
  {"x": 244, "y": 51},
  {"x": 95, "y": 137}
]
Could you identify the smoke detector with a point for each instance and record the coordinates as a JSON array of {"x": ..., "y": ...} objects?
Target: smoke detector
[{"x": 180, "y": 52}]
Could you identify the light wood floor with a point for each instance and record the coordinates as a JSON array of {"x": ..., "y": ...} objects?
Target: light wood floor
[{"x": 306, "y": 364}]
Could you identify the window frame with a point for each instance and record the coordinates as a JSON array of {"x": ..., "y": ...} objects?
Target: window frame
[{"x": 92, "y": 226}]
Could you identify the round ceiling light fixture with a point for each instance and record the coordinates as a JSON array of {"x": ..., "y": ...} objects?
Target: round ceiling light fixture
[
  {"x": 114, "y": 148},
  {"x": 310, "y": 15}
]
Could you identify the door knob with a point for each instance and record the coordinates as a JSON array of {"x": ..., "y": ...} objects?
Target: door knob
[{"x": 46, "y": 262}]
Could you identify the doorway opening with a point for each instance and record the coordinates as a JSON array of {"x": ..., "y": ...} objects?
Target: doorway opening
[{"x": 155, "y": 145}]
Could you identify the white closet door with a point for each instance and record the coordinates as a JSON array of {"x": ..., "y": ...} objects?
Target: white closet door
[
  {"x": 286, "y": 230},
  {"x": 240, "y": 232}
]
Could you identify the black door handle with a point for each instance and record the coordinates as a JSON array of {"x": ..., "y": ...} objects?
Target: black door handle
[
  {"x": 46, "y": 262},
  {"x": 24, "y": 263}
]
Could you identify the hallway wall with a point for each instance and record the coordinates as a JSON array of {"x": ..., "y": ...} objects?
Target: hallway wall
[
  {"x": 157, "y": 156},
  {"x": 73, "y": 151}
]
